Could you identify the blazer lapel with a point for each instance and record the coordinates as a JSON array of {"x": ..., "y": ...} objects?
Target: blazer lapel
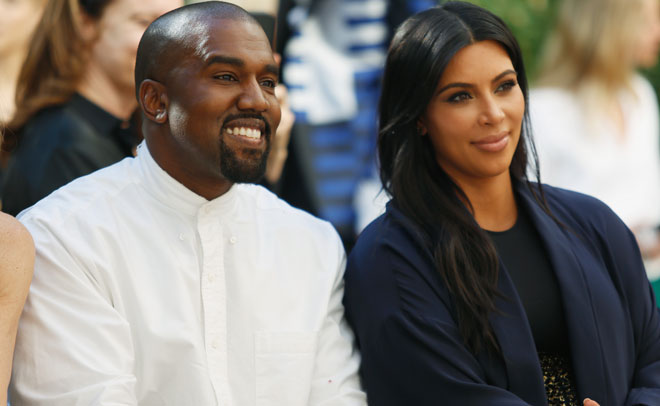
[
  {"x": 564, "y": 251},
  {"x": 517, "y": 344}
]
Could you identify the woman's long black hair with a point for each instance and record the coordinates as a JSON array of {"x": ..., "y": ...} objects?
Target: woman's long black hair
[{"x": 463, "y": 253}]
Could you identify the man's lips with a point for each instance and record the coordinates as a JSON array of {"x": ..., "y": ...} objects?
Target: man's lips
[
  {"x": 253, "y": 133},
  {"x": 493, "y": 143},
  {"x": 249, "y": 129}
]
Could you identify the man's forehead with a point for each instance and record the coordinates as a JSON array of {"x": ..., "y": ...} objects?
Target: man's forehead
[{"x": 228, "y": 39}]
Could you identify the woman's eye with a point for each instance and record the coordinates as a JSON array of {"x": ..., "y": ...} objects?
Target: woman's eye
[
  {"x": 459, "y": 97},
  {"x": 508, "y": 85}
]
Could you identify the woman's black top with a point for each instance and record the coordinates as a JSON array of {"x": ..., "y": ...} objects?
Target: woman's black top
[
  {"x": 527, "y": 263},
  {"x": 59, "y": 144}
]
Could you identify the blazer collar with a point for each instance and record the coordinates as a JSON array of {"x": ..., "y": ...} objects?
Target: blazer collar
[{"x": 567, "y": 255}]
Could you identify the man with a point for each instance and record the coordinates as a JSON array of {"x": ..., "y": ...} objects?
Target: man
[
  {"x": 75, "y": 95},
  {"x": 162, "y": 280}
]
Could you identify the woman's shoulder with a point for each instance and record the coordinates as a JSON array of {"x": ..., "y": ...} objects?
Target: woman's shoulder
[
  {"x": 392, "y": 232},
  {"x": 58, "y": 126},
  {"x": 579, "y": 209},
  {"x": 13, "y": 233},
  {"x": 391, "y": 270},
  {"x": 391, "y": 248},
  {"x": 641, "y": 84},
  {"x": 16, "y": 252}
]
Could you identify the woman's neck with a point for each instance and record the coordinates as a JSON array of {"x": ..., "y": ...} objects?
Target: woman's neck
[
  {"x": 99, "y": 89},
  {"x": 493, "y": 202},
  {"x": 10, "y": 68}
]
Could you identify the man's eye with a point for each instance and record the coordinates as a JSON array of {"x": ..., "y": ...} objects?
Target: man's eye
[
  {"x": 269, "y": 83},
  {"x": 225, "y": 76}
]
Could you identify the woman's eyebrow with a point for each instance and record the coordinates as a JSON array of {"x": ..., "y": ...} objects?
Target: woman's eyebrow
[{"x": 469, "y": 85}]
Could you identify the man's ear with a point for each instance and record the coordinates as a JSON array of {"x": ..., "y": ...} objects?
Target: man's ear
[{"x": 153, "y": 100}]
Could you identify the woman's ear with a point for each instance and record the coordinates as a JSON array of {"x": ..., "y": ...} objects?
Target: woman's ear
[
  {"x": 153, "y": 100},
  {"x": 87, "y": 27},
  {"x": 421, "y": 128}
]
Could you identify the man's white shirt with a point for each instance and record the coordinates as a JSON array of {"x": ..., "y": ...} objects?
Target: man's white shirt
[{"x": 146, "y": 293}]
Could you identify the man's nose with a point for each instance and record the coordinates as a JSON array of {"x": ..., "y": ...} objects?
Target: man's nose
[{"x": 252, "y": 97}]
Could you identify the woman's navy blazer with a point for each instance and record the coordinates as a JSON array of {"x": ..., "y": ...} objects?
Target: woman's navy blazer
[{"x": 413, "y": 354}]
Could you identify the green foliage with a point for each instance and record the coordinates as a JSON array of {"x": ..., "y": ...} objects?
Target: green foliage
[{"x": 530, "y": 21}]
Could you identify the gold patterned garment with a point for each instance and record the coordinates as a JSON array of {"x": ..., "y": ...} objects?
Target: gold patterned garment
[{"x": 558, "y": 380}]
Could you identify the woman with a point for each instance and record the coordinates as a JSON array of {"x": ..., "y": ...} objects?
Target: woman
[
  {"x": 16, "y": 266},
  {"x": 75, "y": 95},
  {"x": 17, "y": 21},
  {"x": 595, "y": 119},
  {"x": 476, "y": 284}
]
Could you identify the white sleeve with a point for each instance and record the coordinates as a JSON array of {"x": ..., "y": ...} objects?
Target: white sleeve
[
  {"x": 335, "y": 380},
  {"x": 73, "y": 347}
]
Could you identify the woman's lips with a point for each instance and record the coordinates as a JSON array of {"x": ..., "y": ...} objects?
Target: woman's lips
[{"x": 493, "y": 143}]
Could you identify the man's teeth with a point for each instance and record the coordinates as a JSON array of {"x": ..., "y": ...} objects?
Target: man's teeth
[{"x": 248, "y": 132}]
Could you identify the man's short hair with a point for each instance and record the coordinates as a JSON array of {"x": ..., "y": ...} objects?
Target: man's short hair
[{"x": 177, "y": 33}]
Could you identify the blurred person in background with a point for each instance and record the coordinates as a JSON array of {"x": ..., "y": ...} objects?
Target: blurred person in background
[
  {"x": 75, "y": 95},
  {"x": 17, "y": 22},
  {"x": 595, "y": 118},
  {"x": 333, "y": 54}
]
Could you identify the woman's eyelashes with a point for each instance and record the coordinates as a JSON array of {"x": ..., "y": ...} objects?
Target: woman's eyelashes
[
  {"x": 463, "y": 95},
  {"x": 459, "y": 97},
  {"x": 507, "y": 85}
]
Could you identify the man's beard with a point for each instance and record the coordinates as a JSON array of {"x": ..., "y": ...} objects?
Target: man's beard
[{"x": 248, "y": 169}]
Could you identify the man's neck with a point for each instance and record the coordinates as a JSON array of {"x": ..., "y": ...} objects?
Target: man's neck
[{"x": 209, "y": 187}]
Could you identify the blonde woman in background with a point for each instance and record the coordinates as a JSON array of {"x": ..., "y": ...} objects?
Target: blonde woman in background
[
  {"x": 17, "y": 22},
  {"x": 595, "y": 118}
]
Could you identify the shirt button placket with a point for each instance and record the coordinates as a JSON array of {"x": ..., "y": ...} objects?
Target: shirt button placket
[{"x": 214, "y": 297}]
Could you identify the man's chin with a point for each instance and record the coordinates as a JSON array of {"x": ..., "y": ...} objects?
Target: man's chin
[
  {"x": 243, "y": 166},
  {"x": 244, "y": 172},
  {"x": 246, "y": 178}
]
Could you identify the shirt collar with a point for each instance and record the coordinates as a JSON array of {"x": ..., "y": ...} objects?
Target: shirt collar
[
  {"x": 103, "y": 122},
  {"x": 171, "y": 192}
]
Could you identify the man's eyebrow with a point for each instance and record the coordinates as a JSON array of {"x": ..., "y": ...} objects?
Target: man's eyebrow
[
  {"x": 230, "y": 60},
  {"x": 225, "y": 60},
  {"x": 271, "y": 68},
  {"x": 468, "y": 85}
]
